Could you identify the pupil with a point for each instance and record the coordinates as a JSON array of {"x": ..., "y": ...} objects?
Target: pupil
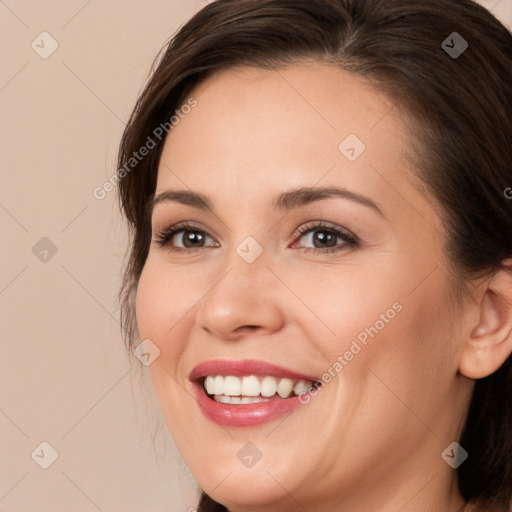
[
  {"x": 325, "y": 238},
  {"x": 192, "y": 237}
]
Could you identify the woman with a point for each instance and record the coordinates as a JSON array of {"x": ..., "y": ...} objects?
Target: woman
[{"x": 321, "y": 253}]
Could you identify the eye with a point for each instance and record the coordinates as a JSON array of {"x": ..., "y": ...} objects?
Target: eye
[
  {"x": 183, "y": 237},
  {"x": 324, "y": 238}
]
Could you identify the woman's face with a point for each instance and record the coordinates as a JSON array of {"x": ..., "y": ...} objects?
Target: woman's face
[{"x": 302, "y": 243}]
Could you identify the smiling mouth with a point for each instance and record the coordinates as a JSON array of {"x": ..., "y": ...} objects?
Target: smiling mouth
[{"x": 229, "y": 389}]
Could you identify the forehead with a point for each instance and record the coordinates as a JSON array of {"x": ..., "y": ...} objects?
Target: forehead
[
  {"x": 254, "y": 129},
  {"x": 299, "y": 111}
]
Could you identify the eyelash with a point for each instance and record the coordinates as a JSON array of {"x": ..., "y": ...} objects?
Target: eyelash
[{"x": 163, "y": 238}]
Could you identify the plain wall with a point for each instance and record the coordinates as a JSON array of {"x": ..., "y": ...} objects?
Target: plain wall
[{"x": 64, "y": 376}]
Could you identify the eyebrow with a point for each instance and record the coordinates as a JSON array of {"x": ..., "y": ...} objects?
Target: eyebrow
[{"x": 285, "y": 201}]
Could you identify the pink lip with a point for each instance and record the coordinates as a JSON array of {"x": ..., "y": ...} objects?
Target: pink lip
[{"x": 243, "y": 415}]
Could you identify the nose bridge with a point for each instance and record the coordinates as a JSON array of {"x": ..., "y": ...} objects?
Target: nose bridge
[
  {"x": 245, "y": 278},
  {"x": 241, "y": 295},
  {"x": 246, "y": 267}
]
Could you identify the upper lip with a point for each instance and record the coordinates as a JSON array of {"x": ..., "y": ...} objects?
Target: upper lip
[{"x": 245, "y": 367}]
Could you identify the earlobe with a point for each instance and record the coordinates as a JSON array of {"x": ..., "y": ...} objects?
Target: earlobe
[{"x": 490, "y": 340}]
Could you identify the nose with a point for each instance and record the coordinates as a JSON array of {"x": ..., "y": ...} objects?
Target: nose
[{"x": 244, "y": 300}]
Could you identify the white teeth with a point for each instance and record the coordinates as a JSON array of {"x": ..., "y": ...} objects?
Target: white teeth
[
  {"x": 209, "y": 384},
  {"x": 268, "y": 386},
  {"x": 218, "y": 385},
  {"x": 253, "y": 399},
  {"x": 252, "y": 389},
  {"x": 301, "y": 387},
  {"x": 232, "y": 386},
  {"x": 250, "y": 386},
  {"x": 239, "y": 400},
  {"x": 284, "y": 388}
]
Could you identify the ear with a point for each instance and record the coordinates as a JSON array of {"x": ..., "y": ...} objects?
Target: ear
[{"x": 490, "y": 341}]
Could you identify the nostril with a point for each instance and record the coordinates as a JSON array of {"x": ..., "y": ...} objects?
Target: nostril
[{"x": 249, "y": 327}]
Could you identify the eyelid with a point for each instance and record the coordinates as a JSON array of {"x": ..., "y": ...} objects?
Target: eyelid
[
  {"x": 318, "y": 225},
  {"x": 321, "y": 224},
  {"x": 164, "y": 236}
]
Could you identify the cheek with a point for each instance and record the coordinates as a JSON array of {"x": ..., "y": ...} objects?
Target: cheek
[
  {"x": 382, "y": 322},
  {"x": 161, "y": 313},
  {"x": 148, "y": 291},
  {"x": 347, "y": 305},
  {"x": 414, "y": 357},
  {"x": 161, "y": 303}
]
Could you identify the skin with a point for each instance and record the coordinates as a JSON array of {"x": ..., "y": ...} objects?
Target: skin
[{"x": 372, "y": 439}]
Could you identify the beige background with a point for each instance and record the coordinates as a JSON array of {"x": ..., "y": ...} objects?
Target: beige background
[{"x": 64, "y": 377}]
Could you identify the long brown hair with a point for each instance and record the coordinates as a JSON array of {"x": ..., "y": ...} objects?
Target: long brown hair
[{"x": 461, "y": 105}]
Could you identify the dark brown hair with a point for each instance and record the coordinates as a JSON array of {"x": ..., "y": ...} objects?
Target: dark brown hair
[{"x": 461, "y": 106}]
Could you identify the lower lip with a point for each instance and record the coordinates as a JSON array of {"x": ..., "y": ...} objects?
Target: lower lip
[{"x": 243, "y": 415}]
